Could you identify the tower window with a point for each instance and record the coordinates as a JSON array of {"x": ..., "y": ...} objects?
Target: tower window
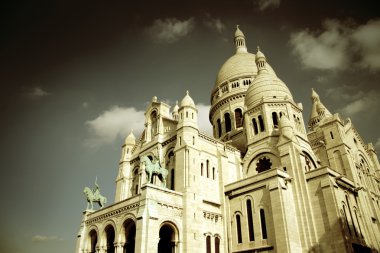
[
  {"x": 275, "y": 120},
  {"x": 207, "y": 169},
  {"x": 208, "y": 244},
  {"x": 219, "y": 128},
  {"x": 172, "y": 179},
  {"x": 261, "y": 123},
  {"x": 331, "y": 134},
  {"x": 255, "y": 128},
  {"x": 227, "y": 121},
  {"x": 213, "y": 173},
  {"x": 201, "y": 169},
  {"x": 238, "y": 117}
]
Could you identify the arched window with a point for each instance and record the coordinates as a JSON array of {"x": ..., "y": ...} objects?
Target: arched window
[
  {"x": 261, "y": 123},
  {"x": 346, "y": 218},
  {"x": 275, "y": 120},
  {"x": 351, "y": 216},
  {"x": 238, "y": 118},
  {"x": 263, "y": 224},
  {"x": 227, "y": 121},
  {"x": 250, "y": 221},
  {"x": 255, "y": 128},
  {"x": 219, "y": 128},
  {"x": 168, "y": 239},
  {"x": 217, "y": 244},
  {"x": 238, "y": 229},
  {"x": 208, "y": 244},
  {"x": 135, "y": 182},
  {"x": 130, "y": 236},
  {"x": 357, "y": 220},
  {"x": 263, "y": 164}
]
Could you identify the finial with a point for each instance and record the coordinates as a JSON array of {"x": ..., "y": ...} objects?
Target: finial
[
  {"x": 176, "y": 102},
  {"x": 258, "y": 48},
  {"x": 187, "y": 93},
  {"x": 154, "y": 99},
  {"x": 237, "y": 26}
]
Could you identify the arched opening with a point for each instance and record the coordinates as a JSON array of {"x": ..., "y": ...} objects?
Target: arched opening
[
  {"x": 255, "y": 128},
  {"x": 250, "y": 221},
  {"x": 219, "y": 128},
  {"x": 167, "y": 242},
  {"x": 275, "y": 119},
  {"x": 227, "y": 121},
  {"x": 238, "y": 117},
  {"x": 207, "y": 168},
  {"x": 208, "y": 244},
  {"x": 110, "y": 236},
  {"x": 130, "y": 236},
  {"x": 263, "y": 224},
  {"x": 93, "y": 241},
  {"x": 261, "y": 123},
  {"x": 238, "y": 229},
  {"x": 135, "y": 181},
  {"x": 153, "y": 118},
  {"x": 217, "y": 245}
]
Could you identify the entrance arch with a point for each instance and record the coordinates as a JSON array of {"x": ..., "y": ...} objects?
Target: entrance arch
[
  {"x": 110, "y": 238},
  {"x": 130, "y": 235},
  {"x": 93, "y": 235},
  {"x": 168, "y": 239}
]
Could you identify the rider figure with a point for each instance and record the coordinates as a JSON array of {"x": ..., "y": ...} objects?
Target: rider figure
[{"x": 96, "y": 191}]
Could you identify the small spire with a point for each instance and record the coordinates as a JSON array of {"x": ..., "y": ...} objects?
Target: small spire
[
  {"x": 240, "y": 41},
  {"x": 260, "y": 60},
  {"x": 187, "y": 93}
]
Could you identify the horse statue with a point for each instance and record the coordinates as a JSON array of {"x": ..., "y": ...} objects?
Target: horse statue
[
  {"x": 94, "y": 197},
  {"x": 155, "y": 169}
]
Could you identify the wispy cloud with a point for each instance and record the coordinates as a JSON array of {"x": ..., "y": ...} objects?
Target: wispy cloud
[
  {"x": 37, "y": 92},
  {"x": 340, "y": 45},
  {"x": 170, "y": 30},
  {"x": 356, "y": 102},
  {"x": 267, "y": 4},
  {"x": 203, "y": 121},
  {"x": 214, "y": 23},
  {"x": 112, "y": 123},
  {"x": 42, "y": 238}
]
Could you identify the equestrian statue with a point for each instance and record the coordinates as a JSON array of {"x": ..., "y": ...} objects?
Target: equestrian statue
[
  {"x": 154, "y": 169},
  {"x": 94, "y": 196}
]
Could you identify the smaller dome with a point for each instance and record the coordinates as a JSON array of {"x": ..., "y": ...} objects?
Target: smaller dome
[
  {"x": 187, "y": 101},
  {"x": 238, "y": 32},
  {"x": 259, "y": 54},
  {"x": 131, "y": 139},
  {"x": 176, "y": 107}
]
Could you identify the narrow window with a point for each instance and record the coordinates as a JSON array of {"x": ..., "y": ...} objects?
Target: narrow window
[
  {"x": 207, "y": 169},
  {"x": 250, "y": 221},
  {"x": 261, "y": 123},
  {"x": 255, "y": 128},
  {"x": 357, "y": 220},
  {"x": 219, "y": 128},
  {"x": 274, "y": 118},
  {"x": 217, "y": 243},
  {"x": 180, "y": 141},
  {"x": 201, "y": 169},
  {"x": 227, "y": 121},
  {"x": 263, "y": 224},
  {"x": 192, "y": 115},
  {"x": 193, "y": 140},
  {"x": 187, "y": 114},
  {"x": 213, "y": 173},
  {"x": 238, "y": 229},
  {"x": 331, "y": 134},
  {"x": 172, "y": 180},
  {"x": 238, "y": 118},
  {"x": 208, "y": 244},
  {"x": 345, "y": 216}
]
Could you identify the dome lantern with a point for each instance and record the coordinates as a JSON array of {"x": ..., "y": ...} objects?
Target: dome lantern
[{"x": 240, "y": 41}]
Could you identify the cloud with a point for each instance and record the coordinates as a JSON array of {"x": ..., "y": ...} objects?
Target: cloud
[
  {"x": 170, "y": 30},
  {"x": 377, "y": 145},
  {"x": 203, "y": 121},
  {"x": 356, "y": 102},
  {"x": 339, "y": 46},
  {"x": 367, "y": 37},
  {"x": 214, "y": 23},
  {"x": 42, "y": 238},
  {"x": 324, "y": 51},
  {"x": 37, "y": 92},
  {"x": 112, "y": 123},
  {"x": 266, "y": 4}
]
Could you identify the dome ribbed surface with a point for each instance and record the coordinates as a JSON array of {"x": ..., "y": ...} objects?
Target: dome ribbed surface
[{"x": 266, "y": 85}]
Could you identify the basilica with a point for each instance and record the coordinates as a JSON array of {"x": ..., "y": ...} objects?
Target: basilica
[{"x": 262, "y": 183}]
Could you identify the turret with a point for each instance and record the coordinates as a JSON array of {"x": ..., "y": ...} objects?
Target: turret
[
  {"x": 240, "y": 41},
  {"x": 188, "y": 113},
  {"x": 318, "y": 110}
]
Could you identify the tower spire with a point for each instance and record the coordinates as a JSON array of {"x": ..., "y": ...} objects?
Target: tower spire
[
  {"x": 240, "y": 41},
  {"x": 318, "y": 110}
]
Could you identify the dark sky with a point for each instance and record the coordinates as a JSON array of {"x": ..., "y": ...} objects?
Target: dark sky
[{"x": 76, "y": 76}]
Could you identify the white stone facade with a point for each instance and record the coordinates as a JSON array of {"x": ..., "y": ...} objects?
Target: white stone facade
[{"x": 262, "y": 183}]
